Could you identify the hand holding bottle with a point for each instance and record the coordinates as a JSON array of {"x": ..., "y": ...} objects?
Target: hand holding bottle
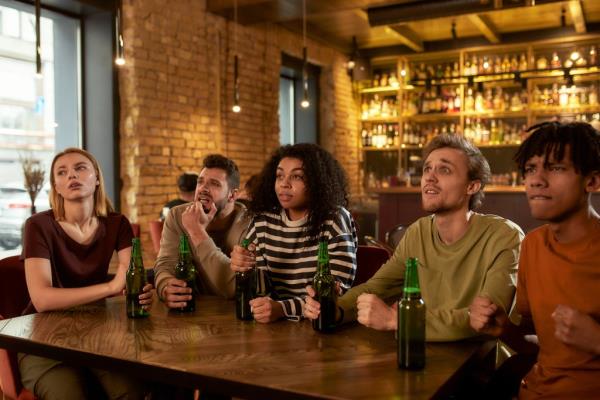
[
  {"x": 176, "y": 293},
  {"x": 312, "y": 308}
]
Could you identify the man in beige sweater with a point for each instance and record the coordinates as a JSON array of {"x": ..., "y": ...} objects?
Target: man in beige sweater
[
  {"x": 214, "y": 222},
  {"x": 462, "y": 254}
]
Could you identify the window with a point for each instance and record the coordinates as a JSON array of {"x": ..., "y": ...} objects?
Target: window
[
  {"x": 34, "y": 120},
  {"x": 297, "y": 124}
]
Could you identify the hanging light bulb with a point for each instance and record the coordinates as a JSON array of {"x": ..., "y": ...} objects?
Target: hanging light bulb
[
  {"x": 38, "y": 45},
  {"x": 120, "y": 58},
  {"x": 304, "y": 103},
  {"x": 236, "y": 90},
  {"x": 236, "y": 108}
]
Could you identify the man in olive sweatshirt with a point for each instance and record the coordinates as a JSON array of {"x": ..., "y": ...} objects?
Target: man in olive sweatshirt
[
  {"x": 461, "y": 253},
  {"x": 214, "y": 222}
]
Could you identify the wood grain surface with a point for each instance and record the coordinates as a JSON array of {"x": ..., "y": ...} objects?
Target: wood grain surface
[{"x": 211, "y": 349}]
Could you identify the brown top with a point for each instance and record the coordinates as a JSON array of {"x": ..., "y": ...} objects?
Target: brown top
[
  {"x": 74, "y": 264},
  {"x": 211, "y": 257},
  {"x": 553, "y": 273}
]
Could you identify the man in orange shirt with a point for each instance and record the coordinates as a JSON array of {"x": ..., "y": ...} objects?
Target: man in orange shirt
[{"x": 559, "y": 266}]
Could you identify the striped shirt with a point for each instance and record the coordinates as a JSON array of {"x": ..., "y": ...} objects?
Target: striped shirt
[{"x": 288, "y": 256}]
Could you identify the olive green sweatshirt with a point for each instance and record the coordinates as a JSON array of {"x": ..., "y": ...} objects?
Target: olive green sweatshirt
[{"x": 483, "y": 262}]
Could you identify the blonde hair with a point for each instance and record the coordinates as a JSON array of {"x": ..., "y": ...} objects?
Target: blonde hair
[{"x": 102, "y": 204}]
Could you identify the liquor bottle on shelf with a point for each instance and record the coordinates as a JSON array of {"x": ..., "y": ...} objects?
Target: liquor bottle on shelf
[
  {"x": 542, "y": 62},
  {"x": 555, "y": 61},
  {"x": 593, "y": 56},
  {"x": 523, "y": 66},
  {"x": 514, "y": 63},
  {"x": 593, "y": 96},
  {"x": 505, "y": 63},
  {"x": 469, "y": 101},
  {"x": 582, "y": 60},
  {"x": 563, "y": 97}
]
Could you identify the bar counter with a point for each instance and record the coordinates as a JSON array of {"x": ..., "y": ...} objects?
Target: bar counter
[{"x": 402, "y": 205}]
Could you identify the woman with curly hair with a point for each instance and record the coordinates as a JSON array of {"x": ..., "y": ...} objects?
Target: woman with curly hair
[{"x": 300, "y": 197}]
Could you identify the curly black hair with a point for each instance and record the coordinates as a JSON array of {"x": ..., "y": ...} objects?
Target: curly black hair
[
  {"x": 551, "y": 140},
  {"x": 325, "y": 179}
]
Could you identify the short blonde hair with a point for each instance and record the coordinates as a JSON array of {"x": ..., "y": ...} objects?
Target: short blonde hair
[{"x": 102, "y": 204}]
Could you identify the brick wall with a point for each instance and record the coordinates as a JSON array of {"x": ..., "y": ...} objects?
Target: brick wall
[{"x": 176, "y": 97}]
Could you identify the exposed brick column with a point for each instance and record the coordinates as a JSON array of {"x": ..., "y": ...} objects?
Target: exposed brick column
[{"x": 176, "y": 97}]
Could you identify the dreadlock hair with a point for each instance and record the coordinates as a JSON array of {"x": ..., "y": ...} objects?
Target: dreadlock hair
[
  {"x": 551, "y": 139},
  {"x": 325, "y": 180}
]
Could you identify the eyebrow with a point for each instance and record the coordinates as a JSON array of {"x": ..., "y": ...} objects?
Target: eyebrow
[
  {"x": 295, "y": 169},
  {"x": 76, "y": 165},
  {"x": 443, "y": 160}
]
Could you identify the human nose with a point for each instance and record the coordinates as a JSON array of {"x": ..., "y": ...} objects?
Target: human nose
[
  {"x": 72, "y": 173},
  {"x": 536, "y": 178},
  {"x": 429, "y": 175},
  {"x": 285, "y": 182}
]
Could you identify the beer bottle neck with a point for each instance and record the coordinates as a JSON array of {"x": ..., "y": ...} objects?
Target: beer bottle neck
[
  {"x": 323, "y": 258},
  {"x": 184, "y": 249},
  {"x": 136, "y": 253},
  {"x": 411, "y": 280}
]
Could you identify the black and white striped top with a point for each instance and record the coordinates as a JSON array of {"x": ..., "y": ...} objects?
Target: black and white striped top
[{"x": 289, "y": 257}]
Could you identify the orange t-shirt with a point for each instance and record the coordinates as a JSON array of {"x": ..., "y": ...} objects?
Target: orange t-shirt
[{"x": 552, "y": 273}]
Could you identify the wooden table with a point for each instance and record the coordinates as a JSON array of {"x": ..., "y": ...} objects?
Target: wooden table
[{"x": 211, "y": 349}]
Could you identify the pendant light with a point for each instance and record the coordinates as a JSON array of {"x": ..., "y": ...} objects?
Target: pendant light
[
  {"x": 304, "y": 103},
  {"x": 236, "y": 84},
  {"x": 120, "y": 58},
  {"x": 38, "y": 45}
]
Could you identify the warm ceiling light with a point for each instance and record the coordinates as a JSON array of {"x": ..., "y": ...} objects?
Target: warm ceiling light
[
  {"x": 305, "y": 103},
  {"x": 38, "y": 38},
  {"x": 120, "y": 58},
  {"x": 236, "y": 80}
]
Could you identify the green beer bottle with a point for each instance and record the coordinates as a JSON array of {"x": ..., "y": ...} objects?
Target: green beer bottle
[
  {"x": 324, "y": 285},
  {"x": 186, "y": 271},
  {"x": 244, "y": 290},
  {"x": 411, "y": 321},
  {"x": 135, "y": 280}
]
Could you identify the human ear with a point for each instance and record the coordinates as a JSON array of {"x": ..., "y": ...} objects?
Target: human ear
[
  {"x": 474, "y": 187},
  {"x": 592, "y": 182}
]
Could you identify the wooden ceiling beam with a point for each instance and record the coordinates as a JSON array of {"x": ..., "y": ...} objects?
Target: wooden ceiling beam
[
  {"x": 577, "y": 16},
  {"x": 407, "y": 37},
  {"x": 486, "y": 27}
]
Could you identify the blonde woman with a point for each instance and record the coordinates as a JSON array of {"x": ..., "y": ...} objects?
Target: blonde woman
[{"x": 67, "y": 251}]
